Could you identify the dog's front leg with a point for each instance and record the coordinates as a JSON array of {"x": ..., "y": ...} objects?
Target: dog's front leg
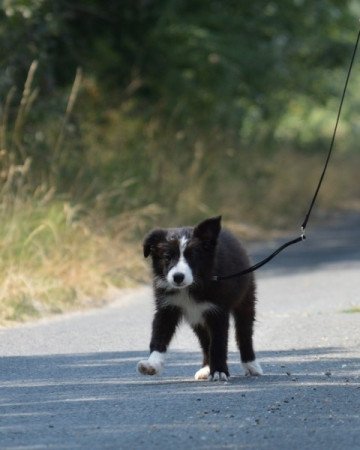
[
  {"x": 163, "y": 328},
  {"x": 218, "y": 325}
]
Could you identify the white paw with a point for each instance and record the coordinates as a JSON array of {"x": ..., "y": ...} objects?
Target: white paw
[
  {"x": 218, "y": 376},
  {"x": 203, "y": 373},
  {"x": 146, "y": 368},
  {"x": 252, "y": 368},
  {"x": 152, "y": 366}
]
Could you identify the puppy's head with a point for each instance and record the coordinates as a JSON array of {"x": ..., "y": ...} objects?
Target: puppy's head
[{"x": 183, "y": 256}]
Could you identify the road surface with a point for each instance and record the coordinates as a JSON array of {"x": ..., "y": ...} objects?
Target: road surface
[{"x": 71, "y": 382}]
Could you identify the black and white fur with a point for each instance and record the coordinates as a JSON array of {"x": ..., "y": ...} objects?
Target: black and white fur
[{"x": 184, "y": 261}]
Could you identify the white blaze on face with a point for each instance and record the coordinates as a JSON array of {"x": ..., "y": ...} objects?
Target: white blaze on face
[{"x": 181, "y": 268}]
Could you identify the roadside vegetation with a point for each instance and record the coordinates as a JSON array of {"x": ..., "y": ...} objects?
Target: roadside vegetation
[{"x": 119, "y": 116}]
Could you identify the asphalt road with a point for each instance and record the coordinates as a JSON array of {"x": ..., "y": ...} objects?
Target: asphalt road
[{"x": 71, "y": 382}]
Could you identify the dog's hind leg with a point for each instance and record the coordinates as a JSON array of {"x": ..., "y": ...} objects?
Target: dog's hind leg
[
  {"x": 163, "y": 328},
  {"x": 244, "y": 317},
  {"x": 203, "y": 335}
]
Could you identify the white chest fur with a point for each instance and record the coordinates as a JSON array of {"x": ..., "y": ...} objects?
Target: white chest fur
[{"x": 192, "y": 310}]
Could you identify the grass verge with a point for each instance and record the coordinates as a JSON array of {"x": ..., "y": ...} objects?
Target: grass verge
[
  {"x": 353, "y": 310},
  {"x": 56, "y": 259}
]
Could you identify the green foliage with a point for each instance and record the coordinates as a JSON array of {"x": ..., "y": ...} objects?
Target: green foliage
[
  {"x": 214, "y": 88},
  {"x": 198, "y": 63}
]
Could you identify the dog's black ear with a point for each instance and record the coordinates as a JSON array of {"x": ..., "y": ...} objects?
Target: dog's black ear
[
  {"x": 209, "y": 229},
  {"x": 152, "y": 239}
]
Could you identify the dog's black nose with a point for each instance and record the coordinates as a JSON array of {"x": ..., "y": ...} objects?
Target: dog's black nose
[{"x": 178, "y": 277}]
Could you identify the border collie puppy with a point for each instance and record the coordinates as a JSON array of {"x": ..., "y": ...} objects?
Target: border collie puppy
[{"x": 184, "y": 261}]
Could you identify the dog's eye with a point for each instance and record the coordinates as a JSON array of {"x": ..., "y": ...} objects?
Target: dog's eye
[
  {"x": 167, "y": 257},
  {"x": 190, "y": 253}
]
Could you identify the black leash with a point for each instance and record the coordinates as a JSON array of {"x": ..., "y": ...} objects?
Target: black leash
[{"x": 304, "y": 224}]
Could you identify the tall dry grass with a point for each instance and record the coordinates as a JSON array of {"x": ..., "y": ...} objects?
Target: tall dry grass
[
  {"x": 55, "y": 255},
  {"x": 52, "y": 261}
]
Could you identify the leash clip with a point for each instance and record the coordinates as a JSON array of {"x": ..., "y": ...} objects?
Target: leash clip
[{"x": 302, "y": 235}]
